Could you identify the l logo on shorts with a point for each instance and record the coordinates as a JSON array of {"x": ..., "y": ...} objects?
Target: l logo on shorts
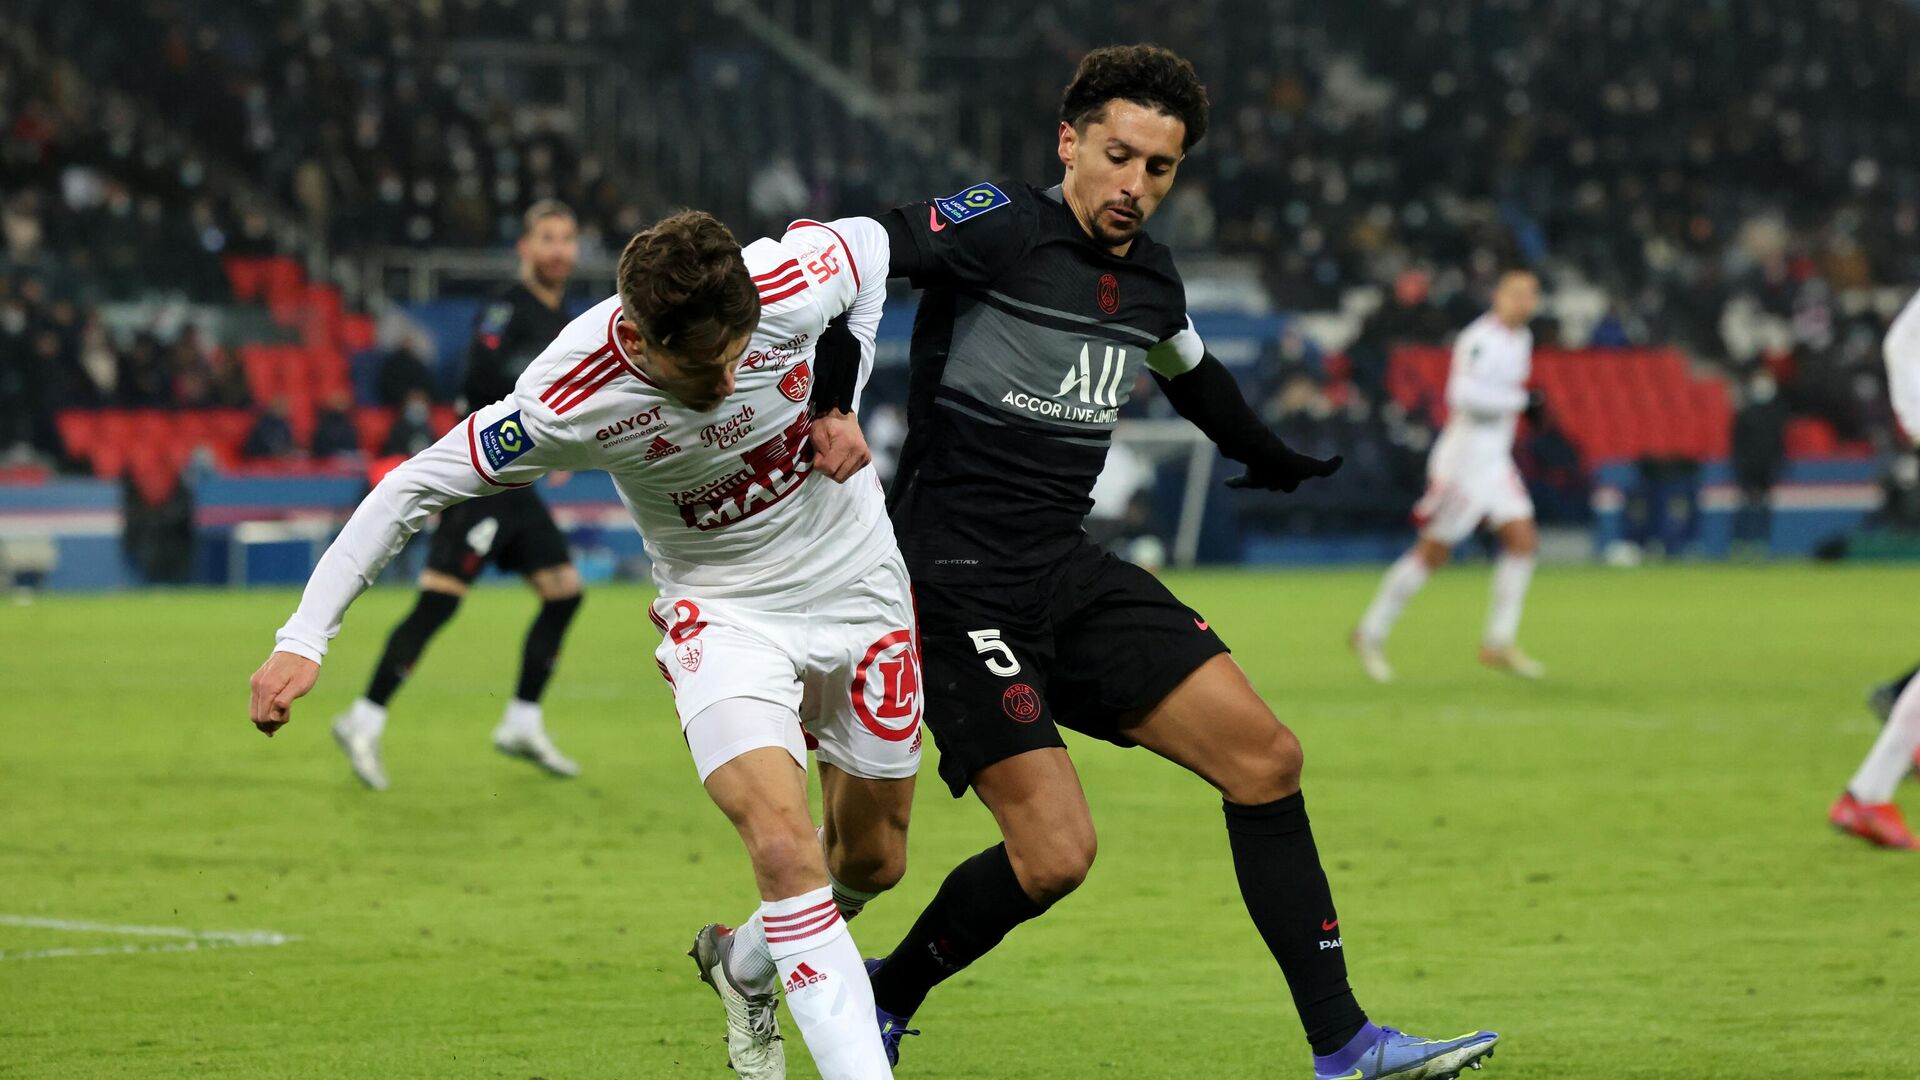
[{"x": 897, "y": 695}]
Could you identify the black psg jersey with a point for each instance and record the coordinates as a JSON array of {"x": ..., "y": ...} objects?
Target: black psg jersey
[
  {"x": 512, "y": 329},
  {"x": 1029, "y": 338}
]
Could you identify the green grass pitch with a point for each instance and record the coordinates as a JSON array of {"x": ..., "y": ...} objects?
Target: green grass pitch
[{"x": 1625, "y": 869}]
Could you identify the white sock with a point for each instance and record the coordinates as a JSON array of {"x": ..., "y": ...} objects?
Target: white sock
[
  {"x": 1511, "y": 576},
  {"x": 368, "y": 718},
  {"x": 522, "y": 717},
  {"x": 849, "y": 900},
  {"x": 749, "y": 962},
  {"x": 1403, "y": 579},
  {"x": 826, "y": 985},
  {"x": 1892, "y": 754}
]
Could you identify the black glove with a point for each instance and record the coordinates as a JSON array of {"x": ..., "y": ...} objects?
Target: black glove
[
  {"x": 1283, "y": 469},
  {"x": 1536, "y": 410}
]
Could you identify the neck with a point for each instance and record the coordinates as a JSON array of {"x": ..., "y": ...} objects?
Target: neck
[
  {"x": 1084, "y": 215},
  {"x": 549, "y": 295}
]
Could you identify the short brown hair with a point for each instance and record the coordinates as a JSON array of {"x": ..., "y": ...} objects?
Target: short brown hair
[
  {"x": 685, "y": 287},
  {"x": 1147, "y": 75},
  {"x": 541, "y": 210}
]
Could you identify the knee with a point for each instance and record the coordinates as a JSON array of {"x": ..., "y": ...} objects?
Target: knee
[
  {"x": 1272, "y": 772},
  {"x": 875, "y": 870},
  {"x": 1434, "y": 554},
  {"x": 561, "y": 584},
  {"x": 780, "y": 848},
  {"x": 1058, "y": 867}
]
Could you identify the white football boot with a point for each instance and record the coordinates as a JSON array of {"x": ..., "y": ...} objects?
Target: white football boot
[
  {"x": 753, "y": 1029},
  {"x": 1373, "y": 659},
  {"x": 521, "y": 734},
  {"x": 361, "y": 744},
  {"x": 1510, "y": 659}
]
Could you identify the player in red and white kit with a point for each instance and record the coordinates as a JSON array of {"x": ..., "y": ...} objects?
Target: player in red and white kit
[
  {"x": 1866, "y": 808},
  {"x": 1471, "y": 479},
  {"x": 713, "y": 388}
]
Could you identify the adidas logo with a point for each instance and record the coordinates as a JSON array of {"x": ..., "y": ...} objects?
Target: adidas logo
[
  {"x": 803, "y": 976},
  {"x": 659, "y": 448}
]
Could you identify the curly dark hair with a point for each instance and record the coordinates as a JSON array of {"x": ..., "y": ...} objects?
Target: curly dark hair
[
  {"x": 1147, "y": 75},
  {"x": 685, "y": 287}
]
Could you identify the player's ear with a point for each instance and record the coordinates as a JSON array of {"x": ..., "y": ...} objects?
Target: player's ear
[
  {"x": 1068, "y": 140},
  {"x": 631, "y": 342}
]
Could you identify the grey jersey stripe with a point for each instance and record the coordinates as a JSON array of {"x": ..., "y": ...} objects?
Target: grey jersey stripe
[
  {"x": 988, "y": 418},
  {"x": 1138, "y": 335}
]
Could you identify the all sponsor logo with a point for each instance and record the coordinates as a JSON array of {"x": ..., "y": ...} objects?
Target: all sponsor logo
[
  {"x": 504, "y": 440},
  {"x": 886, "y": 687},
  {"x": 1109, "y": 293},
  {"x": 795, "y": 384},
  {"x": 1021, "y": 702},
  {"x": 1089, "y": 393},
  {"x": 730, "y": 431}
]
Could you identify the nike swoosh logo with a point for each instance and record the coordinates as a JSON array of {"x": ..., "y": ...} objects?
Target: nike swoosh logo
[
  {"x": 1354, "y": 1075},
  {"x": 934, "y": 224},
  {"x": 1328, "y": 924},
  {"x": 1201, "y": 623}
]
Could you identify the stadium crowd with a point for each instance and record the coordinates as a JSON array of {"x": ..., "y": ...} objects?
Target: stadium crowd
[{"x": 1665, "y": 154}]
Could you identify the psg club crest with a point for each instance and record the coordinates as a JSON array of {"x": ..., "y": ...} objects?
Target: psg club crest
[
  {"x": 1109, "y": 293},
  {"x": 795, "y": 384},
  {"x": 1021, "y": 702}
]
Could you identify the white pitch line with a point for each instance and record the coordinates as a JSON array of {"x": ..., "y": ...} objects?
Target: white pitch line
[{"x": 194, "y": 939}]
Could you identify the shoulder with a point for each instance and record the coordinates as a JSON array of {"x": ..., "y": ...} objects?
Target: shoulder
[
  {"x": 497, "y": 311},
  {"x": 583, "y": 360},
  {"x": 780, "y": 275}
]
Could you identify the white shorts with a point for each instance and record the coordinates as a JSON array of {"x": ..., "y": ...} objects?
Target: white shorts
[
  {"x": 844, "y": 671},
  {"x": 1455, "y": 506}
]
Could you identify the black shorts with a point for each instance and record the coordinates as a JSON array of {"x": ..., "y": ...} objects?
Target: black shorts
[
  {"x": 1096, "y": 642},
  {"x": 512, "y": 530}
]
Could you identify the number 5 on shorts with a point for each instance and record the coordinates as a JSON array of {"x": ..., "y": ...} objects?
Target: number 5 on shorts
[{"x": 1000, "y": 658}]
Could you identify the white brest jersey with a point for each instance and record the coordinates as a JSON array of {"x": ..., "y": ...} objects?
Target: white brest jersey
[
  {"x": 726, "y": 500},
  {"x": 1486, "y": 393}
]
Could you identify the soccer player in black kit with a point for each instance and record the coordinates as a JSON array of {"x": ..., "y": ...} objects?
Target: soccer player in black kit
[
  {"x": 1039, "y": 307},
  {"x": 513, "y": 529}
]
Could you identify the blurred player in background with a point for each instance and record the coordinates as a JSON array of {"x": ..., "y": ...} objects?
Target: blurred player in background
[
  {"x": 712, "y": 388},
  {"x": 1042, "y": 307},
  {"x": 1471, "y": 478},
  {"x": 516, "y": 532},
  {"x": 1866, "y": 808}
]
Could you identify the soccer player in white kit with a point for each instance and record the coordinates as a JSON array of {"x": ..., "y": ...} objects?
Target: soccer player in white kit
[
  {"x": 1866, "y": 809},
  {"x": 784, "y": 608},
  {"x": 1471, "y": 478}
]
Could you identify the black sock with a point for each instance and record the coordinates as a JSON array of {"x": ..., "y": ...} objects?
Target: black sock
[
  {"x": 543, "y": 646},
  {"x": 977, "y": 905},
  {"x": 408, "y": 641},
  {"x": 1287, "y": 894}
]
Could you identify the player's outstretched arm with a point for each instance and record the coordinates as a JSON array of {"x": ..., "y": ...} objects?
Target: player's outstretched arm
[
  {"x": 1201, "y": 389},
  {"x": 500, "y": 446}
]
